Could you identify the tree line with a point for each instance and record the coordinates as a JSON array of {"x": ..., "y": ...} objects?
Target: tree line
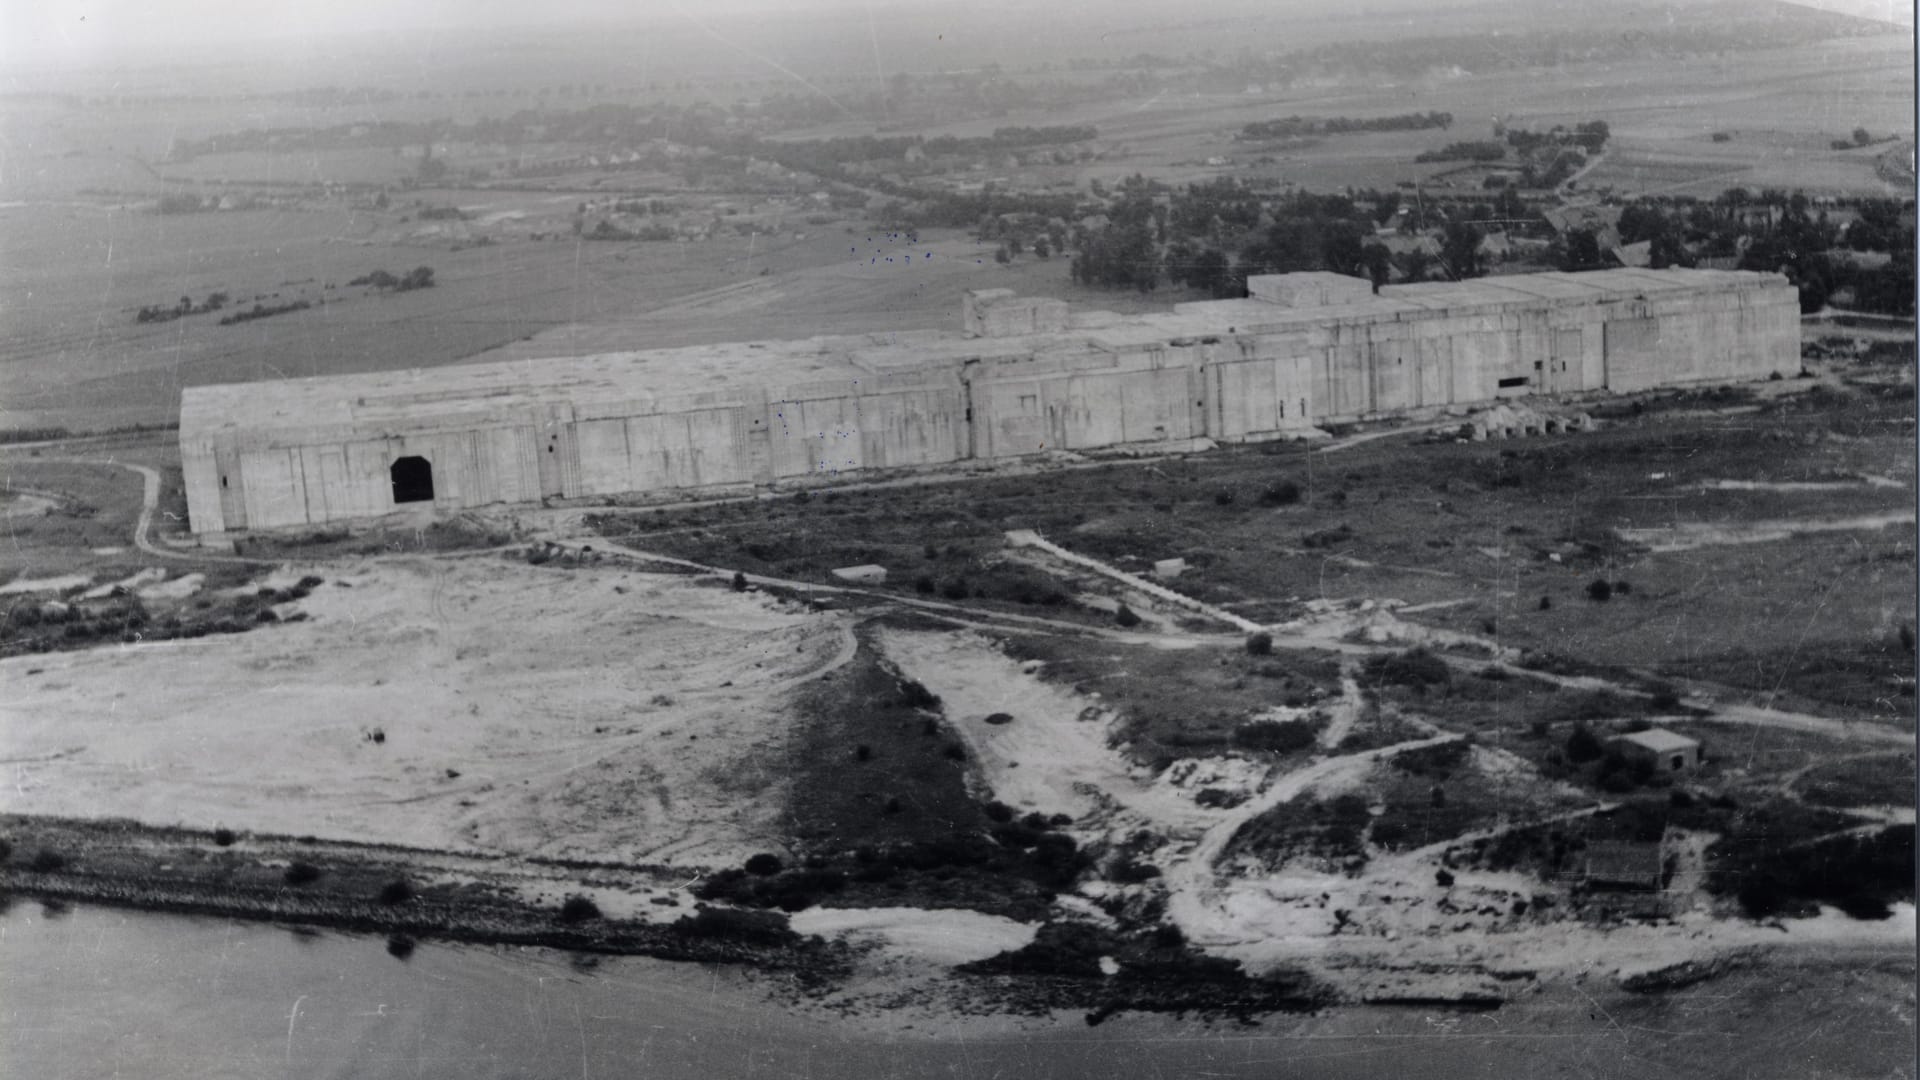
[{"x": 1296, "y": 126}]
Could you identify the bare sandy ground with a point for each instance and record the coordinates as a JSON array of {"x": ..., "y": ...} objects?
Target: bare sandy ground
[
  {"x": 595, "y": 712},
  {"x": 1392, "y": 929},
  {"x": 937, "y": 935}
]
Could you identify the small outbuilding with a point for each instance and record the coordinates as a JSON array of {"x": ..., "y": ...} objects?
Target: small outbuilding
[
  {"x": 1666, "y": 751},
  {"x": 869, "y": 574}
]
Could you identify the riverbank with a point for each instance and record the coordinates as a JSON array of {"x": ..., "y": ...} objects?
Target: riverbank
[
  {"x": 404, "y": 893},
  {"x": 413, "y": 895}
]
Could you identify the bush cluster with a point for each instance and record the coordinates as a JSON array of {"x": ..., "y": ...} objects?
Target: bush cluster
[
  {"x": 1277, "y": 736},
  {"x": 1414, "y": 667}
]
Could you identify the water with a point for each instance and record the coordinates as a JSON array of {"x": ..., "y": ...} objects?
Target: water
[{"x": 98, "y": 993}]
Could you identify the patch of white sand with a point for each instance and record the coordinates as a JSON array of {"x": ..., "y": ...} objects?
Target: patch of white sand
[
  {"x": 178, "y": 589},
  {"x": 525, "y": 710},
  {"x": 1055, "y": 755},
  {"x": 936, "y": 935},
  {"x": 146, "y": 576},
  {"x": 22, "y": 586}
]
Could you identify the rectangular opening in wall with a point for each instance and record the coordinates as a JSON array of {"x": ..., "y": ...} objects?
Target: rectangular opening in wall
[{"x": 1517, "y": 380}]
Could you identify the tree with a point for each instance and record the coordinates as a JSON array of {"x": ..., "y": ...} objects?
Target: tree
[
  {"x": 1378, "y": 262},
  {"x": 1415, "y": 264},
  {"x": 1460, "y": 251},
  {"x": 1579, "y": 250},
  {"x": 1582, "y": 746},
  {"x": 1861, "y": 137},
  {"x": 1212, "y": 271},
  {"x": 1042, "y": 248},
  {"x": 1001, "y": 255}
]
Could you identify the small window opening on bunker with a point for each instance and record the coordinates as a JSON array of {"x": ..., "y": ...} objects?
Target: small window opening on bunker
[
  {"x": 1517, "y": 380},
  {"x": 223, "y": 481},
  {"x": 412, "y": 480},
  {"x": 1679, "y": 762}
]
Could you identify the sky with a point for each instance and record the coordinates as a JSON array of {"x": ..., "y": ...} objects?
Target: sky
[
  {"x": 93, "y": 33},
  {"x": 78, "y": 33}
]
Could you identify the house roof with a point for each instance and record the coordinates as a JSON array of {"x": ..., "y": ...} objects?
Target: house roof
[
  {"x": 1638, "y": 253},
  {"x": 1588, "y": 216},
  {"x": 1659, "y": 740}
]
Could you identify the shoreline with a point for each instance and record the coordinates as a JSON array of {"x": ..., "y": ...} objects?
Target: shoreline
[{"x": 474, "y": 899}]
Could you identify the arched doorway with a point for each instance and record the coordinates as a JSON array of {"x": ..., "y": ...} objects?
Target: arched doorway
[{"x": 412, "y": 480}]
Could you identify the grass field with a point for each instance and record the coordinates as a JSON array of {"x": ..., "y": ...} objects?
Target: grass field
[{"x": 1482, "y": 532}]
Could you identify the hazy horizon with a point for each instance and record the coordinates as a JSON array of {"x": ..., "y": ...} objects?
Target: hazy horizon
[{"x": 78, "y": 36}]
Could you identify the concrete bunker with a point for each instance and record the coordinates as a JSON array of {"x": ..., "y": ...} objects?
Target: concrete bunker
[
  {"x": 1023, "y": 375},
  {"x": 412, "y": 477}
]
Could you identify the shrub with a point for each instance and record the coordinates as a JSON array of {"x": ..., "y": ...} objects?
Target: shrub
[
  {"x": 1126, "y": 617},
  {"x": 1443, "y": 879},
  {"x": 955, "y": 752},
  {"x": 1223, "y": 497},
  {"x": 46, "y": 861},
  {"x": 1260, "y": 643},
  {"x": 1284, "y": 493},
  {"x": 739, "y": 581},
  {"x": 923, "y": 585},
  {"x": 6, "y": 850},
  {"x": 1599, "y": 590},
  {"x": 1546, "y": 603},
  {"x": 732, "y": 924},
  {"x": 999, "y": 812},
  {"x": 1279, "y": 736},
  {"x": 301, "y": 873},
  {"x": 1326, "y": 538},
  {"x": 863, "y": 752},
  {"x": 578, "y": 909},
  {"x": 1414, "y": 667},
  {"x": 999, "y": 719},
  {"x": 955, "y": 589},
  {"x": 1583, "y": 746},
  {"x": 916, "y": 696},
  {"x": 763, "y": 865},
  {"x": 224, "y": 837},
  {"x": 400, "y": 946},
  {"x": 1623, "y": 588},
  {"x": 397, "y": 891}
]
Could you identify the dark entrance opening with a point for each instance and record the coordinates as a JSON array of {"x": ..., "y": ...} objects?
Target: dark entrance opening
[
  {"x": 412, "y": 480},
  {"x": 1517, "y": 380}
]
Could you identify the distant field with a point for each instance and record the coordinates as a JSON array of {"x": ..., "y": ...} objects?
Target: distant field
[
  {"x": 1783, "y": 105},
  {"x": 75, "y": 357}
]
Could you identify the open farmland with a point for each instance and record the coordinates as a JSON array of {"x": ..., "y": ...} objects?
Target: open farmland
[
  {"x": 81, "y": 363},
  {"x": 1783, "y": 107}
]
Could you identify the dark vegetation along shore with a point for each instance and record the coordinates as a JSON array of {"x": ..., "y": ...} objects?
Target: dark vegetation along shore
[
  {"x": 411, "y": 896},
  {"x": 370, "y": 889}
]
